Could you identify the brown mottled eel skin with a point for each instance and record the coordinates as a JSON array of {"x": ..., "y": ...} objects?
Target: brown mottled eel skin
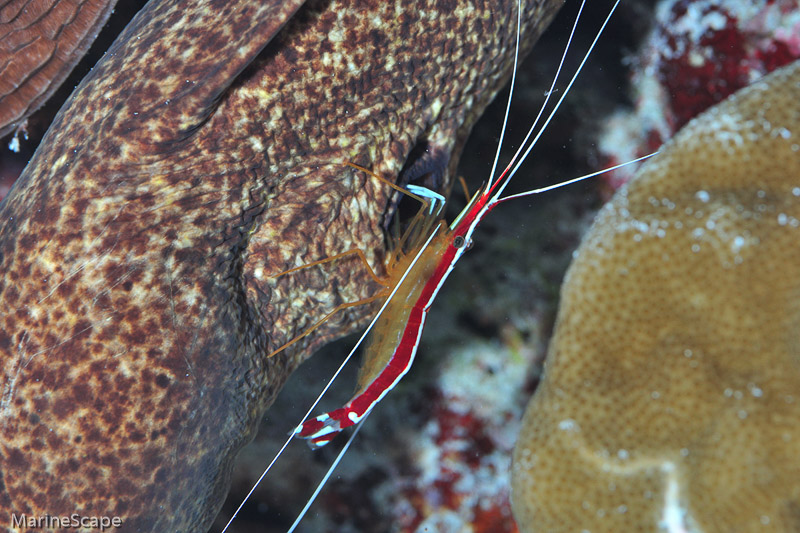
[
  {"x": 40, "y": 43},
  {"x": 202, "y": 156}
]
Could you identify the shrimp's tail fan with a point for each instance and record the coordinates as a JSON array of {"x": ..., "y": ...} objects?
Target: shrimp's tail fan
[{"x": 320, "y": 430}]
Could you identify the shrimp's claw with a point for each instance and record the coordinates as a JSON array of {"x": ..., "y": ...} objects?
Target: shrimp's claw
[{"x": 318, "y": 431}]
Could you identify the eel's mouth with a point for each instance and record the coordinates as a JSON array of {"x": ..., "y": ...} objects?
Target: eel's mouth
[{"x": 426, "y": 166}]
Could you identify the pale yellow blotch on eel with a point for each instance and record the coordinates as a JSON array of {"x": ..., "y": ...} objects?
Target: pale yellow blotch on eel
[{"x": 671, "y": 395}]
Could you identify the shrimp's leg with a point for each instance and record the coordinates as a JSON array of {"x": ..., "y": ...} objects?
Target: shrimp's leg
[
  {"x": 381, "y": 294},
  {"x": 383, "y": 282},
  {"x": 423, "y": 221},
  {"x": 464, "y": 187},
  {"x": 427, "y": 193},
  {"x": 394, "y": 186},
  {"x": 427, "y": 198},
  {"x": 355, "y": 251}
]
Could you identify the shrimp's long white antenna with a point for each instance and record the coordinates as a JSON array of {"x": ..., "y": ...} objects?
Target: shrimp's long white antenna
[
  {"x": 546, "y": 99},
  {"x": 514, "y": 165},
  {"x": 527, "y": 151},
  {"x": 510, "y": 94},
  {"x": 328, "y": 474},
  {"x": 333, "y": 378},
  {"x": 574, "y": 180}
]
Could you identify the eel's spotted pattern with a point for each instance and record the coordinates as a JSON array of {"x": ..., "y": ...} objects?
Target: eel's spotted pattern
[{"x": 200, "y": 157}]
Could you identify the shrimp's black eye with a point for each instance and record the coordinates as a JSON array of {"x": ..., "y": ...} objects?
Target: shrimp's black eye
[{"x": 459, "y": 241}]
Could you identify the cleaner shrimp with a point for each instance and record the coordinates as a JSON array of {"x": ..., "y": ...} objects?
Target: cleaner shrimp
[{"x": 444, "y": 247}]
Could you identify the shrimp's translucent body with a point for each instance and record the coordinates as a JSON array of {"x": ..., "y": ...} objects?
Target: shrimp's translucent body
[
  {"x": 396, "y": 330},
  {"x": 395, "y": 337}
]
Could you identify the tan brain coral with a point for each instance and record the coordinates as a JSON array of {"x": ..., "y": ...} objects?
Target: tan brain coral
[{"x": 671, "y": 397}]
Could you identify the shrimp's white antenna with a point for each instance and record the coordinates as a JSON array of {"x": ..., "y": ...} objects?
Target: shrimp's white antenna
[
  {"x": 546, "y": 99},
  {"x": 518, "y": 164},
  {"x": 327, "y": 475},
  {"x": 333, "y": 378},
  {"x": 510, "y": 94},
  {"x": 520, "y": 155},
  {"x": 574, "y": 180}
]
